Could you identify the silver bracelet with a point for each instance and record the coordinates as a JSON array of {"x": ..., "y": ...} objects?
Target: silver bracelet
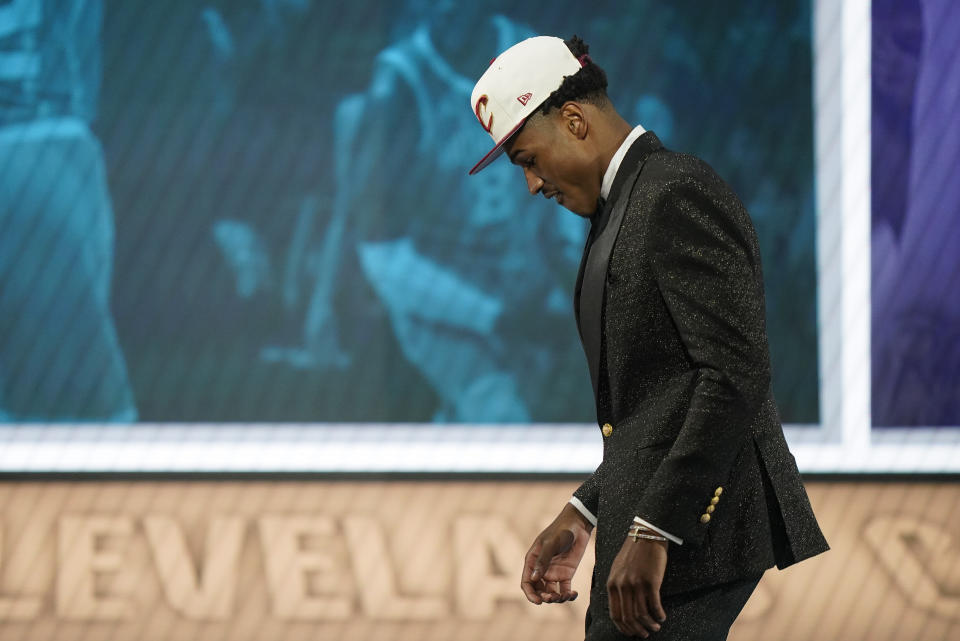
[
  {"x": 651, "y": 537},
  {"x": 638, "y": 532}
]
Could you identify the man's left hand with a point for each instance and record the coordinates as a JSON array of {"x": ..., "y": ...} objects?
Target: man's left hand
[{"x": 634, "y": 587}]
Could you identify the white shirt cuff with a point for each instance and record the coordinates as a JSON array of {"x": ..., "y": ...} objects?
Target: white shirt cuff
[
  {"x": 577, "y": 503},
  {"x": 653, "y": 527}
]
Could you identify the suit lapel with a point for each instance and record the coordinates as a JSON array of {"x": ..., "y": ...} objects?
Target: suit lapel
[
  {"x": 591, "y": 282},
  {"x": 579, "y": 285}
]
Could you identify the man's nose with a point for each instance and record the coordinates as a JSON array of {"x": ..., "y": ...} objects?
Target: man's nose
[{"x": 534, "y": 182}]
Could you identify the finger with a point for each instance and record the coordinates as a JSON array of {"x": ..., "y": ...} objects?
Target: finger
[
  {"x": 628, "y": 606},
  {"x": 567, "y": 593},
  {"x": 617, "y": 613},
  {"x": 563, "y": 597},
  {"x": 655, "y": 606},
  {"x": 613, "y": 595},
  {"x": 532, "y": 589},
  {"x": 548, "y": 591},
  {"x": 527, "y": 584},
  {"x": 530, "y": 560},
  {"x": 626, "y": 613},
  {"x": 542, "y": 561},
  {"x": 529, "y": 591},
  {"x": 556, "y": 592},
  {"x": 641, "y": 612}
]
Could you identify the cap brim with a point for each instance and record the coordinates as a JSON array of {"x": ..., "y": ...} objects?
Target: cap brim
[{"x": 494, "y": 153}]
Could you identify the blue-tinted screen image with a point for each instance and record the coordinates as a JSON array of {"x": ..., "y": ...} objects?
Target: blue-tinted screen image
[
  {"x": 916, "y": 213},
  {"x": 259, "y": 210}
]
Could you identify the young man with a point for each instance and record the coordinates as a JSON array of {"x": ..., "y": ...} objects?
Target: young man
[{"x": 697, "y": 494}]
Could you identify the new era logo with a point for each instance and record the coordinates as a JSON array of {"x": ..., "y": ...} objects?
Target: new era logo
[{"x": 525, "y": 98}]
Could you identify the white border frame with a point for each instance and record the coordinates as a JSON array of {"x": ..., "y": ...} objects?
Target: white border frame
[{"x": 844, "y": 442}]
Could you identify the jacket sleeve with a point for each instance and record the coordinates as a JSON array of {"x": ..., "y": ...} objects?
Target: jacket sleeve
[
  {"x": 588, "y": 495},
  {"x": 705, "y": 259}
]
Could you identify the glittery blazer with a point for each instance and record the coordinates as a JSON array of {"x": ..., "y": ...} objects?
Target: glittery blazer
[{"x": 670, "y": 308}]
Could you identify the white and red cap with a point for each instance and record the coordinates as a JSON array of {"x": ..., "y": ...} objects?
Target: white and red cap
[{"x": 515, "y": 84}]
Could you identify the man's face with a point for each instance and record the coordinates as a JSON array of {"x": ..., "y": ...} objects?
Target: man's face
[{"x": 556, "y": 161}]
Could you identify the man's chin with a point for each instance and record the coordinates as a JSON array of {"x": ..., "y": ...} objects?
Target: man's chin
[{"x": 579, "y": 211}]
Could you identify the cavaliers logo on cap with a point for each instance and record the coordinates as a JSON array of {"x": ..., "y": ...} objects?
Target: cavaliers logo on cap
[
  {"x": 482, "y": 102},
  {"x": 525, "y": 98}
]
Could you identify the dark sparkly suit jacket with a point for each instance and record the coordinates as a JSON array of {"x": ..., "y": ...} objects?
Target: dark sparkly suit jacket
[{"x": 670, "y": 307}]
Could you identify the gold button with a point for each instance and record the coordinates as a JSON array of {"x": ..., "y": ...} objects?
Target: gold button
[
  {"x": 710, "y": 509},
  {"x": 714, "y": 500},
  {"x": 718, "y": 491},
  {"x": 607, "y": 429},
  {"x": 704, "y": 518}
]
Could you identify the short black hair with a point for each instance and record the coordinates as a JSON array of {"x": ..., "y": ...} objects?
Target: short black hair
[{"x": 589, "y": 84}]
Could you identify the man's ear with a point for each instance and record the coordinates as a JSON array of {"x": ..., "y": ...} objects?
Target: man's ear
[{"x": 574, "y": 119}]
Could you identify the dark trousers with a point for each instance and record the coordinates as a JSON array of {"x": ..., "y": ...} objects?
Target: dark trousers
[{"x": 698, "y": 615}]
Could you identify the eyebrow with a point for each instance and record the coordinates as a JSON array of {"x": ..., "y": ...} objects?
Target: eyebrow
[{"x": 513, "y": 155}]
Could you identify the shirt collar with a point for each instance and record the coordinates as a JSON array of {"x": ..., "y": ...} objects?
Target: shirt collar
[{"x": 618, "y": 157}]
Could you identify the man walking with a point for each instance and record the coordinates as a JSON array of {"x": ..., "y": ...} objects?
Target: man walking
[{"x": 697, "y": 494}]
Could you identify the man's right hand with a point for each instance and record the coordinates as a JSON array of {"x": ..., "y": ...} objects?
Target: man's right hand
[{"x": 552, "y": 560}]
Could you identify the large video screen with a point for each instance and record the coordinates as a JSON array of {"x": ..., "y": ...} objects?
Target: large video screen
[
  {"x": 259, "y": 211},
  {"x": 915, "y": 227}
]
